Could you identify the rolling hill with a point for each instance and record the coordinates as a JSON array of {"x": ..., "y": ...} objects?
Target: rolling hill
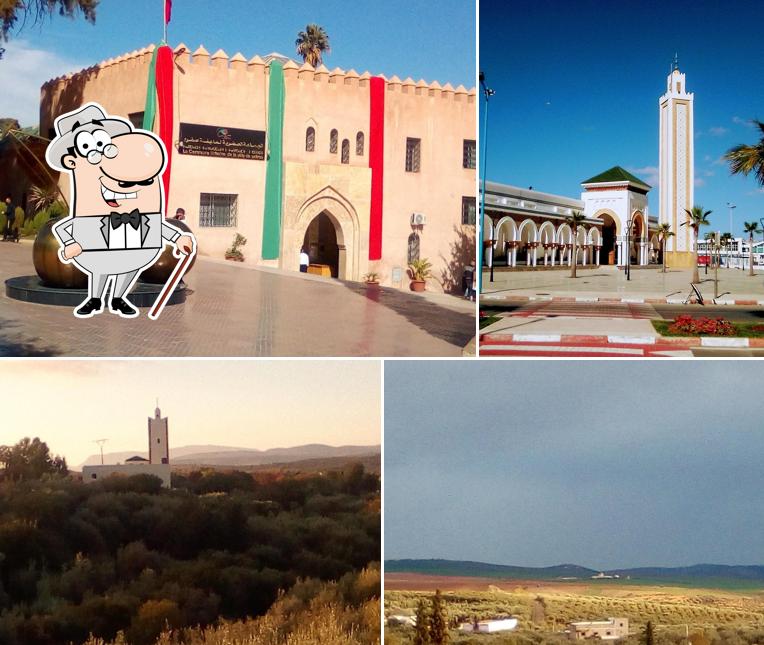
[
  {"x": 717, "y": 574},
  {"x": 230, "y": 456}
]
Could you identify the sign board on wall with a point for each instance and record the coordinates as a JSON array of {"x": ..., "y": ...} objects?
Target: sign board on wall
[{"x": 215, "y": 141}]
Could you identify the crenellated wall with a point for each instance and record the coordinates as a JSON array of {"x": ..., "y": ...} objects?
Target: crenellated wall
[{"x": 232, "y": 91}]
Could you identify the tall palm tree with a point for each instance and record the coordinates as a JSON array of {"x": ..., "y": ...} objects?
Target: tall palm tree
[
  {"x": 751, "y": 228},
  {"x": 312, "y": 43},
  {"x": 744, "y": 159},
  {"x": 664, "y": 232},
  {"x": 696, "y": 218},
  {"x": 574, "y": 220}
]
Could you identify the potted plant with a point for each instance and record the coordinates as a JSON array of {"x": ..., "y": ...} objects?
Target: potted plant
[
  {"x": 419, "y": 271},
  {"x": 372, "y": 280},
  {"x": 233, "y": 252}
]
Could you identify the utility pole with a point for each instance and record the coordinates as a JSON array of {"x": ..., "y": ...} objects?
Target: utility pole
[{"x": 100, "y": 443}]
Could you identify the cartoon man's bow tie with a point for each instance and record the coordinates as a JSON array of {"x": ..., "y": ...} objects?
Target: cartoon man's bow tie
[{"x": 133, "y": 218}]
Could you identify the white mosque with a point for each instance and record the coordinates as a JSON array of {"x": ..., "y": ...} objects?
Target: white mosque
[
  {"x": 158, "y": 463},
  {"x": 526, "y": 228}
]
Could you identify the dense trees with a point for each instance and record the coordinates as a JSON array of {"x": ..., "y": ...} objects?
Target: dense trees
[
  {"x": 126, "y": 555},
  {"x": 29, "y": 459}
]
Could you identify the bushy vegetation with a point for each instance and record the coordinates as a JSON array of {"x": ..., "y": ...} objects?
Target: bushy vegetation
[
  {"x": 125, "y": 555},
  {"x": 33, "y": 225},
  {"x": 715, "y": 615},
  {"x": 311, "y": 613}
]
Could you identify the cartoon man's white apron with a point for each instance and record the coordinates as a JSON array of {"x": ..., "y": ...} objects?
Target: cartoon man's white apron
[{"x": 116, "y": 225}]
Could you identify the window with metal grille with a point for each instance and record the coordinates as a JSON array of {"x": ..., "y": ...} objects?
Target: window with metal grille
[
  {"x": 310, "y": 140},
  {"x": 469, "y": 211},
  {"x": 413, "y": 147},
  {"x": 345, "y": 151},
  {"x": 413, "y": 248},
  {"x": 217, "y": 209},
  {"x": 333, "y": 141},
  {"x": 359, "y": 144},
  {"x": 468, "y": 154}
]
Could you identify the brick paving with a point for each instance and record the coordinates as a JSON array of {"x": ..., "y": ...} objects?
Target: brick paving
[{"x": 233, "y": 310}]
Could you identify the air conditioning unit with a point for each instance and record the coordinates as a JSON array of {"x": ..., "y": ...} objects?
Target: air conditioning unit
[{"x": 418, "y": 219}]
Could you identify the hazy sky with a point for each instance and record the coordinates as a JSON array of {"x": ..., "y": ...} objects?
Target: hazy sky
[
  {"x": 577, "y": 87},
  {"x": 603, "y": 464},
  {"x": 249, "y": 404}
]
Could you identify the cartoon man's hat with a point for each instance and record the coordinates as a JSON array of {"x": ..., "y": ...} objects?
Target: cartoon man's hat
[{"x": 88, "y": 118}]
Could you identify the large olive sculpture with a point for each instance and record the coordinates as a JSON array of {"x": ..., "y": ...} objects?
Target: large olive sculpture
[
  {"x": 51, "y": 270},
  {"x": 160, "y": 271}
]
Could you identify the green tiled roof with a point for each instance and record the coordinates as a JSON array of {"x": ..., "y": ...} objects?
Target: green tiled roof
[{"x": 616, "y": 173}]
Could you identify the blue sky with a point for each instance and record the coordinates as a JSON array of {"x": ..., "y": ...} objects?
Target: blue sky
[
  {"x": 577, "y": 87},
  {"x": 604, "y": 464},
  {"x": 396, "y": 37}
]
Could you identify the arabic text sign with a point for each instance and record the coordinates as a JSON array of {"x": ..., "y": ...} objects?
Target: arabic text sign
[{"x": 214, "y": 141}]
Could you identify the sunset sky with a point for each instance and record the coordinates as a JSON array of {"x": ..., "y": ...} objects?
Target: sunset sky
[{"x": 248, "y": 404}]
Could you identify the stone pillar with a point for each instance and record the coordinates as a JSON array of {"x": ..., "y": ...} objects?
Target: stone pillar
[
  {"x": 622, "y": 250},
  {"x": 597, "y": 248}
]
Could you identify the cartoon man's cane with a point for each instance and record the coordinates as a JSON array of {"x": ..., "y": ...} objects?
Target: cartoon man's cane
[{"x": 180, "y": 268}]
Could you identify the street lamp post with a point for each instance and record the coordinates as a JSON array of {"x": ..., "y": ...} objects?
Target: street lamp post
[
  {"x": 629, "y": 224},
  {"x": 487, "y": 93},
  {"x": 730, "y": 206}
]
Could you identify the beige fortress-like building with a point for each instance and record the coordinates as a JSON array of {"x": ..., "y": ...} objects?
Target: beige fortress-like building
[
  {"x": 158, "y": 463},
  {"x": 372, "y": 172},
  {"x": 606, "y": 630}
]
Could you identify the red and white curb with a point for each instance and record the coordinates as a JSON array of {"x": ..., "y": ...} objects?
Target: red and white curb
[
  {"x": 625, "y": 300},
  {"x": 489, "y": 340}
]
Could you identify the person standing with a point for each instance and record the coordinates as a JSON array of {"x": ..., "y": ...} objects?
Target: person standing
[
  {"x": 180, "y": 214},
  {"x": 10, "y": 218},
  {"x": 304, "y": 260}
]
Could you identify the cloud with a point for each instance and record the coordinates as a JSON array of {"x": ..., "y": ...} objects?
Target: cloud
[
  {"x": 708, "y": 173},
  {"x": 649, "y": 173},
  {"x": 699, "y": 182},
  {"x": 755, "y": 191},
  {"x": 746, "y": 122},
  {"x": 23, "y": 70},
  {"x": 707, "y": 158},
  {"x": 717, "y": 131},
  {"x": 721, "y": 161}
]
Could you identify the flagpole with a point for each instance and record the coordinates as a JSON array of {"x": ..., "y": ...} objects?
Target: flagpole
[{"x": 164, "y": 20}]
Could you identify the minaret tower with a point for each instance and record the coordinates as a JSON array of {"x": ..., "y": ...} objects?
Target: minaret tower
[
  {"x": 677, "y": 167},
  {"x": 159, "y": 451}
]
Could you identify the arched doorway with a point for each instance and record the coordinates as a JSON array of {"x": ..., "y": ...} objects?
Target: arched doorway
[
  {"x": 321, "y": 242},
  {"x": 608, "y": 252}
]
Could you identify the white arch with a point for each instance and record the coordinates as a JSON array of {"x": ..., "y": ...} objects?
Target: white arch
[
  {"x": 547, "y": 233},
  {"x": 594, "y": 237},
  {"x": 511, "y": 229},
  {"x": 581, "y": 235},
  {"x": 533, "y": 231},
  {"x": 564, "y": 234}
]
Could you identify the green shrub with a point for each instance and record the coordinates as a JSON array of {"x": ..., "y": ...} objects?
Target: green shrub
[{"x": 33, "y": 225}]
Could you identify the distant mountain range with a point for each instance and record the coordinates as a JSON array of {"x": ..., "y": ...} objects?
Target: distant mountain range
[
  {"x": 229, "y": 456},
  {"x": 679, "y": 575}
]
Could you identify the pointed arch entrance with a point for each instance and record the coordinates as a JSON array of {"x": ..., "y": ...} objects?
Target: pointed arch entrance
[{"x": 327, "y": 224}]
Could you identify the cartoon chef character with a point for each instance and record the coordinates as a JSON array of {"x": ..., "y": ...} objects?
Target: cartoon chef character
[{"x": 116, "y": 225}]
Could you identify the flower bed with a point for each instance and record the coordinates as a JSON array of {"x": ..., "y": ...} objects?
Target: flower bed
[{"x": 686, "y": 324}]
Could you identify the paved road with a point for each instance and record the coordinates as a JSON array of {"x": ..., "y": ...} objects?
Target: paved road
[{"x": 240, "y": 311}]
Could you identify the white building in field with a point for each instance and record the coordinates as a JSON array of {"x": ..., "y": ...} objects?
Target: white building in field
[
  {"x": 606, "y": 630},
  {"x": 158, "y": 463}
]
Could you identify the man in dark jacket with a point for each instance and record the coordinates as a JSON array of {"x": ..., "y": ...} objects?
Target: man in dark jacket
[{"x": 10, "y": 218}]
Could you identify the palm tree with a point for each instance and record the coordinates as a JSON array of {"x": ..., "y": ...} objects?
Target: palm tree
[
  {"x": 664, "y": 232},
  {"x": 574, "y": 220},
  {"x": 744, "y": 159},
  {"x": 312, "y": 43},
  {"x": 696, "y": 218},
  {"x": 751, "y": 228}
]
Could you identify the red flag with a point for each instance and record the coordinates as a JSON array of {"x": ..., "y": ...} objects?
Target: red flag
[{"x": 167, "y": 11}]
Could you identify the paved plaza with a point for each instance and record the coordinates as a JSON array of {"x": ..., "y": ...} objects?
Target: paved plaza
[
  {"x": 610, "y": 283},
  {"x": 235, "y": 310}
]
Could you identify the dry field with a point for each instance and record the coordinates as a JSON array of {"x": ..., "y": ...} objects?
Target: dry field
[{"x": 666, "y": 607}]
